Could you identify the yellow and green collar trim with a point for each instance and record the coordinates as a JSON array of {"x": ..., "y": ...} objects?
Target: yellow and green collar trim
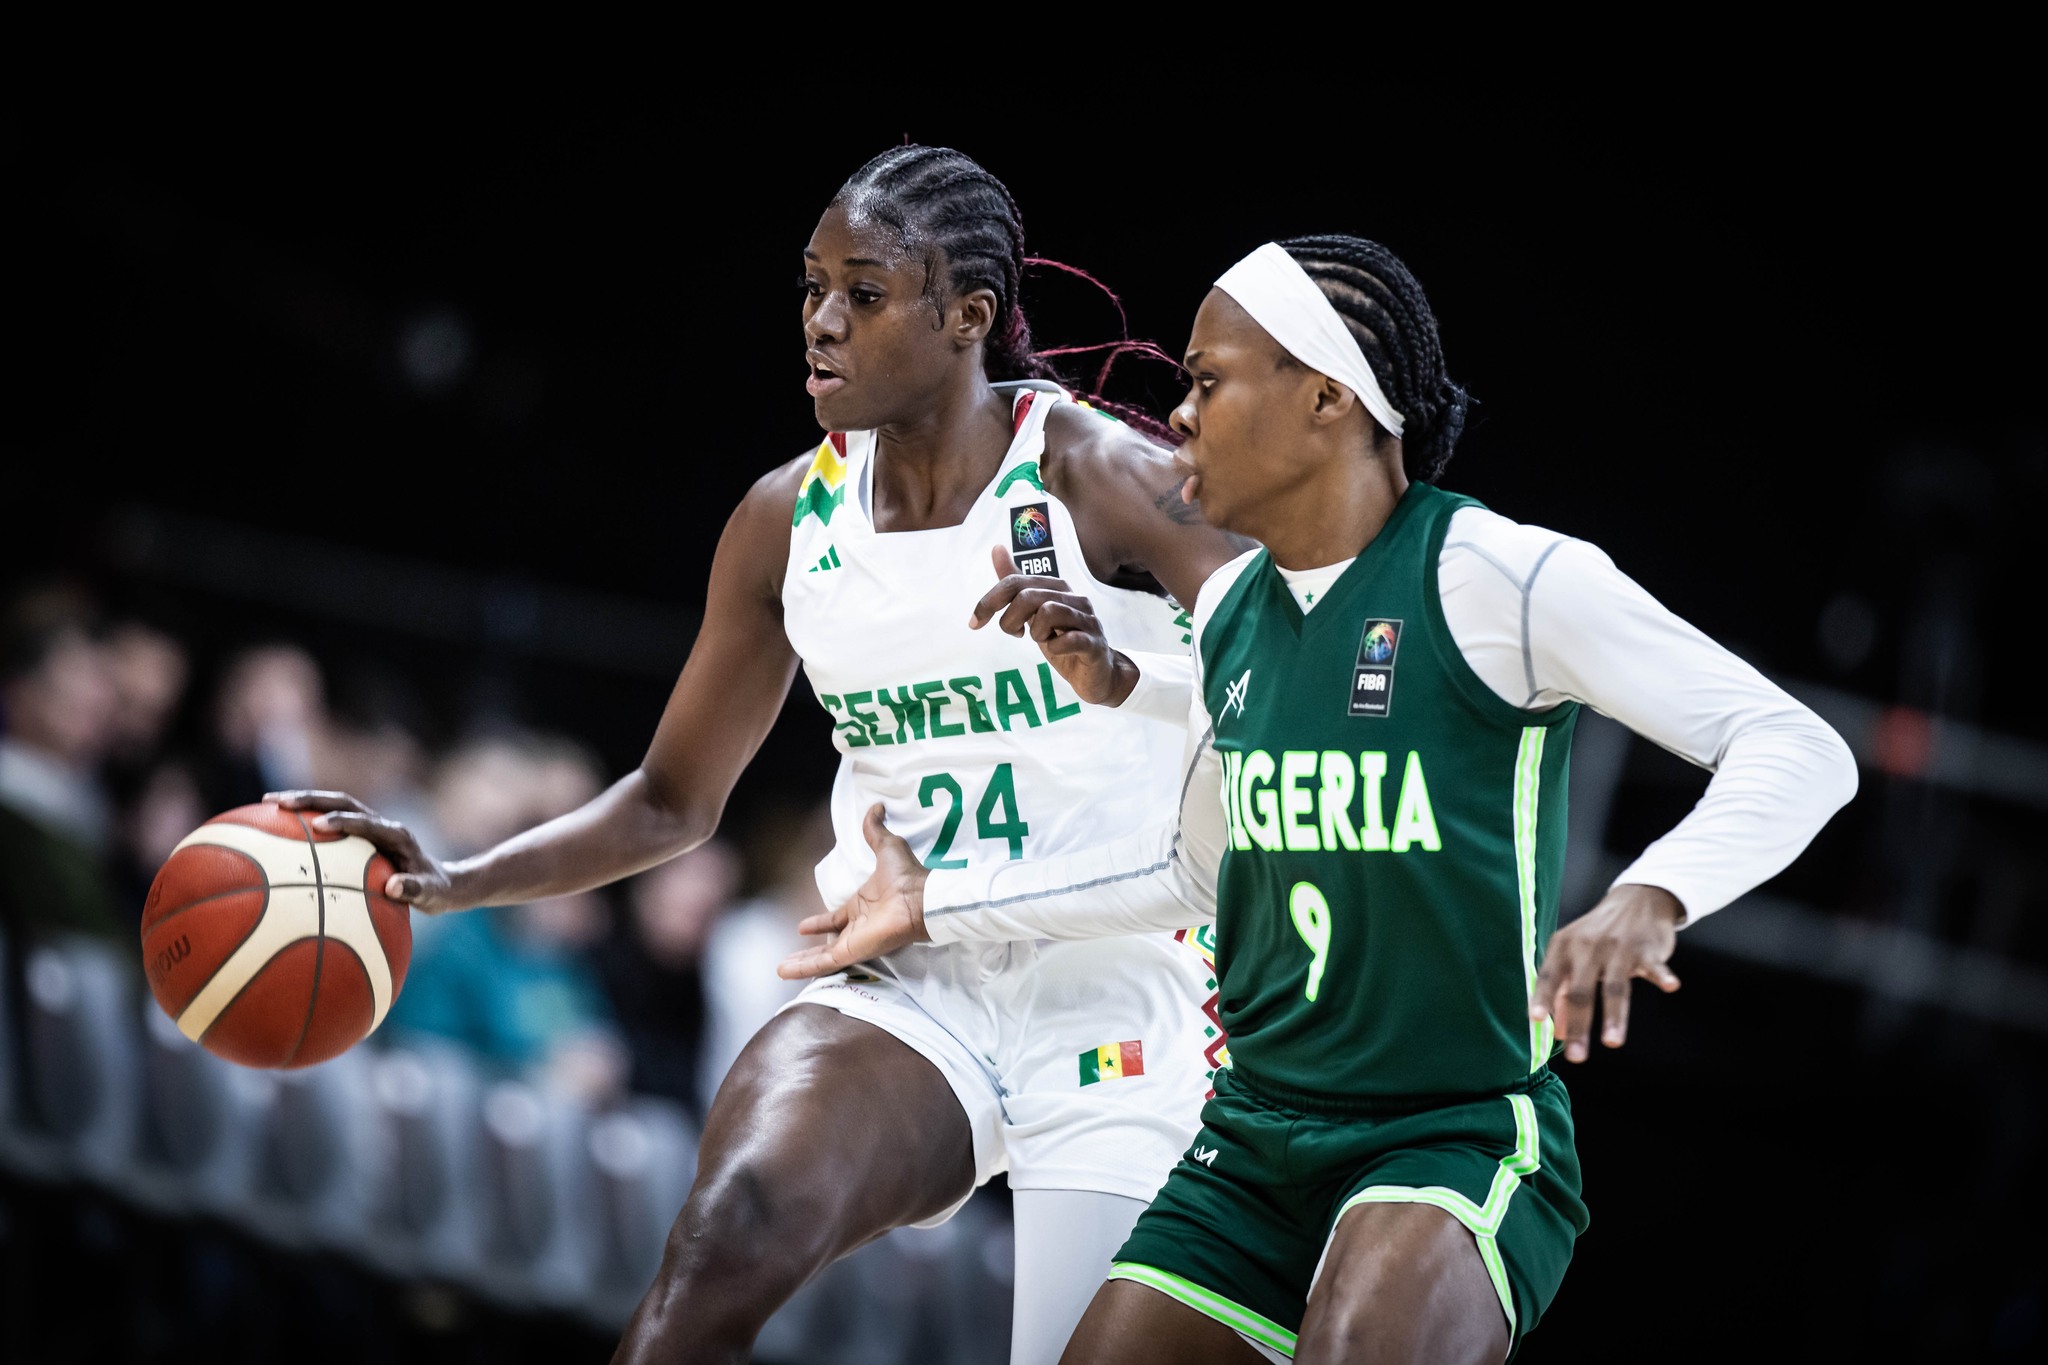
[{"x": 824, "y": 485}]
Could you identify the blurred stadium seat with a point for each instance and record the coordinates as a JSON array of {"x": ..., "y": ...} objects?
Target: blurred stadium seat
[
  {"x": 196, "y": 1148},
  {"x": 9, "y": 1048},
  {"x": 540, "y": 1246},
  {"x": 83, "y": 1057},
  {"x": 316, "y": 1157},
  {"x": 642, "y": 1159},
  {"x": 424, "y": 1211}
]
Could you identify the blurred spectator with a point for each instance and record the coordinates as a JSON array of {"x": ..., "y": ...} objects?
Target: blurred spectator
[
  {"x": 484, "y": 792},
  {"x": 741, "y": 990},
  {"x": 513, "y": 983},
  {"x": 149, "y": 671},
  {"x": 58, "y": 698},
  {"x": 653, "y": 969},
  {"x": 270, "y": 718},
  {"x": 159, "y": 799},
  {"x": 168, "y": 805},
  {"x": 59, "y": 704},
  {"x": 374, "y": 747}
]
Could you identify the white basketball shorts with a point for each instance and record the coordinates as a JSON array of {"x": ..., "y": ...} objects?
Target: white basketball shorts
[{"x": 1081, "y": 1066}]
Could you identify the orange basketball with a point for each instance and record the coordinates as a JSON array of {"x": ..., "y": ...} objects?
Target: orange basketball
[{"x": 270, "y": 942}]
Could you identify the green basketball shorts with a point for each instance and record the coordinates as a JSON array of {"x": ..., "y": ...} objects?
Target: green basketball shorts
[{"x": 1239, "y": 1230}]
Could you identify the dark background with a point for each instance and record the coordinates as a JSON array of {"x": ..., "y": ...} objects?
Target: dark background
[{"x": 1777, "y": 356}]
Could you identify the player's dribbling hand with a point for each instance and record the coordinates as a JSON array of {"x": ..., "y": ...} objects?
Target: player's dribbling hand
[
  {"x": 887, "y": 912},
  {"x": 1629, "y": 934},
  {"x": 419, "y": 881},
  {"x": 1064, "y": 626}
]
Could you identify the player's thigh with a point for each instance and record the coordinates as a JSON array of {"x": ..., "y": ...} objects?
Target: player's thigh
[
  {"x": 1131, "y": 1324},
  {"x": 837, "y": 1121},
  {"x": 1403, "y": 1282}
]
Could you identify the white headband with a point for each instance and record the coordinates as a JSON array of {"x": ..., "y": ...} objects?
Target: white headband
[{"x": 1271, "y": 286}]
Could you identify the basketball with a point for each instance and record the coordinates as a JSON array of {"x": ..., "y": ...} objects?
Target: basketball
[{"x": 271, "y": 943}]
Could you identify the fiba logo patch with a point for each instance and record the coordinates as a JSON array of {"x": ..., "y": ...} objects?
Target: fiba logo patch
[
  {"x": 1372, "y": 681},
  {"x": 1030, "y": 527},
  {"x": 1031, "y": 540}
]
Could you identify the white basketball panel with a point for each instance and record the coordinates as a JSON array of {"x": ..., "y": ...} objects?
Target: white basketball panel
[{"x": 285, "y": 862}]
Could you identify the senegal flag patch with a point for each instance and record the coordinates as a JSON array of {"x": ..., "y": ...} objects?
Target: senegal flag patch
[{"x": 1112, "y": 1060}]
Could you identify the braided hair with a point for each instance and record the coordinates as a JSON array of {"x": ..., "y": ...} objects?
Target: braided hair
[
  {"x": 1383, "y": 307},
  {"x": 968, "y": 227}
]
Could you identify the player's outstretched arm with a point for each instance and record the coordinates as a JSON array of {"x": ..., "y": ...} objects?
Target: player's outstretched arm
[{"x": 729, "y": 694}]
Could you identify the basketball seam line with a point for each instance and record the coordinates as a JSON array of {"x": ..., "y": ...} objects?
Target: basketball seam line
[
  {"x": 319, "y": 943},
  {"x": 232, "y": 951},
  {"x": 168, "y": 915},
  {"x": 305, "y": 938}
]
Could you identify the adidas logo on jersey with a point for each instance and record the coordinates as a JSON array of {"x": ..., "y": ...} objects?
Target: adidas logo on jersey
[{"x": 827, "y": 561}]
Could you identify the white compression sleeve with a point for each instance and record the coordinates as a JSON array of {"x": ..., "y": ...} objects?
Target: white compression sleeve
[
  {"x": 1544, "y": 619},
  {"x": 1779, "y": 771},
  {"x": 1066, "y": 1240},
  {"x": 1164, "y": 682}
]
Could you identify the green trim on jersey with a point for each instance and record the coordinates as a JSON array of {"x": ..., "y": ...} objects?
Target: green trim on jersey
[
  {"x": 1027, "y": 471},
  {"x": 1528, "y": 790}
]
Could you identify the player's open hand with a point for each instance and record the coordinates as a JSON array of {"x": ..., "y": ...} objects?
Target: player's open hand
[
  {"x": 419, "y": 881},
  {"x": 887, "y": 912},
  {"x": 1065, "y": 627},
  {"x": 1629, "y": 934}
]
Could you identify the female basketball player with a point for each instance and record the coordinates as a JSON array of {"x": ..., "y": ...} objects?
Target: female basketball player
[
  {"x": 886, "y": 1094},
  {"x": 1385, "y": 699}
]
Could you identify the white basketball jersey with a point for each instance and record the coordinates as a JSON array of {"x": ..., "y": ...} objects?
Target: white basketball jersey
[{"x": 977, "y": 749}]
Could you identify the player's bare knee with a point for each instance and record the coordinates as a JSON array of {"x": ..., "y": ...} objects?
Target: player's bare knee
[{"x": 743, "y": 1227}]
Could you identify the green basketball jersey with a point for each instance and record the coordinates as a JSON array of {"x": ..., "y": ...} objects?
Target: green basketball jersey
[{"x": 1397, "y": 834}]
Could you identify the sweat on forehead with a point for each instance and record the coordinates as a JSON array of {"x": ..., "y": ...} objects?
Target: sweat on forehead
[{"x": 875, "y": 232}]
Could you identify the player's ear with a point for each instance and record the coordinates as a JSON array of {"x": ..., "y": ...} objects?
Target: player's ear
[
  {"x": 973, "y": 314},
  {"x": 1332, "y": 402}
]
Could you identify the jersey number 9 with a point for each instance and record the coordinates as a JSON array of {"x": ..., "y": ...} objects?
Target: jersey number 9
[{"x": 1311, "y": 915}]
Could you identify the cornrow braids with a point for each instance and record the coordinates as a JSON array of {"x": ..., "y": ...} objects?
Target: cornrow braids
[
  {"x": 968, "y": 227},
  {"x": 1386, "y": 312}
]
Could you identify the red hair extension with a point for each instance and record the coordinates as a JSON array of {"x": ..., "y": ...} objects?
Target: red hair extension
[
  {"x": 1125, "y": 345},
  {"x": 1111, "y": 294},
  {"x": 1115, "y": 349}
]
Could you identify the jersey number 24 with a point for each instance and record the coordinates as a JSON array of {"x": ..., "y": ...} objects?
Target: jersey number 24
[{"x": 998, "y": 799}]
